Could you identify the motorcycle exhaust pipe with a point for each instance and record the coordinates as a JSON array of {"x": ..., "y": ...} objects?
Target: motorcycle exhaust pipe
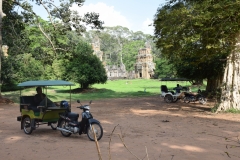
[{"x": 64, "y": 130}]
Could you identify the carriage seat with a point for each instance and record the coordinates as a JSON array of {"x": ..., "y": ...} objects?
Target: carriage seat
[
  {"x": 164, "y": 90},
  {"x": 27, "y": 102}
]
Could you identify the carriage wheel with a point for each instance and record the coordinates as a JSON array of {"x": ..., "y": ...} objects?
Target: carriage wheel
[
  {"x": 27, "y": 125},
  {"x": 168, "y": 98},
  {"x": 175, "y": 99}
]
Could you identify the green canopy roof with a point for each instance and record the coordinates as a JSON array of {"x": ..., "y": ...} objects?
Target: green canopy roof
[{"x": 46, "y": 83}]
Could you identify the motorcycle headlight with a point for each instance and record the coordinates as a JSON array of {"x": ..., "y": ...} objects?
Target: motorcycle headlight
[{"x": 87, "y": 107}]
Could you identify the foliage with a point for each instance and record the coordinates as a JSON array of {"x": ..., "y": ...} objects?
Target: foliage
[
  {"x": 84, "y": 67},
  {"x": 215, "y": 107},
  {"x": 30, "y": 68},
  {"x": 25, "y": 33},
  {"x": 20, "y": 68},
  {"x": 197, "y": 35},
  {"x": 10, "y": 72},
  {"x": 130, "y": 52},
  {"x": 120, "y": 45},
  {"x": 233, "y": 110},
  {"x": 164, "y": 68}
]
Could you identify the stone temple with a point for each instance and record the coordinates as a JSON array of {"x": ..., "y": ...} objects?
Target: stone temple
[
  {"x": 144, "y": 66},
  {"x": 96, "y": 48}
]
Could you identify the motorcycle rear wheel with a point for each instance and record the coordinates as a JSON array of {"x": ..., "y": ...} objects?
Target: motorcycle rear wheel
[
  {"x": 54, "y": 125},
  {"x": 202, "y": 100},
  {"x": 186, "y": 100},
  {"x": 98, "y": 131},
  {"x": 62, "y": 125}
]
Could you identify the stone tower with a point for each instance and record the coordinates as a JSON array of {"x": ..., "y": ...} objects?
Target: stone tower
[
  {"x": 144, "y": 66},
  {"x": 96, "y": 48}
]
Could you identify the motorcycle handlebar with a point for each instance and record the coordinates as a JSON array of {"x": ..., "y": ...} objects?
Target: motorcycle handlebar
[{"x": 81, "y": 107}]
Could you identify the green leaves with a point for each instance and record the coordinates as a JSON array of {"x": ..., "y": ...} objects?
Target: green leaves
[
  {"x": 84, "y": 67},
  {"x": 197, "y": 31}
]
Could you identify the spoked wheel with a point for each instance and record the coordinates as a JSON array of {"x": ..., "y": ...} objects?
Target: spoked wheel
[
  {"x": 97, "y": 129},
  {"x": 64, "y": 125},
  {"x": 202, "y": 100},
  {"x": 168, "y": 98},
  {"x": 54, "y": 125},
  {"x": 27, "y": 125}
]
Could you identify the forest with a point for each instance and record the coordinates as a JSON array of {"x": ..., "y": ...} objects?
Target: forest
[{"x": 57, "y": 49}]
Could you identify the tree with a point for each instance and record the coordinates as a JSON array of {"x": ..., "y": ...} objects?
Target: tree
[
  {"x": 108, "y": 45},
  {"x": 1, "y": 16},
  {"x": 120, "y": 45},
  {"x": 164, "y": 69},
  {"x": 83, "y": 67},
  {"x": 61, "y": 17},
  {"x": 130, "y": 52},
  {"x": 231, "y": 81},
  {"x": 205, "y": 32}
]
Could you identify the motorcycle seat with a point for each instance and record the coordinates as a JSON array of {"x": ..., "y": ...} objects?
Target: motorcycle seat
[
  {"x": 72, "y": 115},
  {"x": 189, "y": 94}
]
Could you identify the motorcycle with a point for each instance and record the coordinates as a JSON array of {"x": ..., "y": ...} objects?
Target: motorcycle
[
  {"x": 190, "y": 97},
  {"x": 68, "y": 122}
]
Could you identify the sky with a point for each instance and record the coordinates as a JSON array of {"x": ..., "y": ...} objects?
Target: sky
[{"x": 136, "y": 15}]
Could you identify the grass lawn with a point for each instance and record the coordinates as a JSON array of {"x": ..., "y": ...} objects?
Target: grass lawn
[{"x": 111, "y": 89}]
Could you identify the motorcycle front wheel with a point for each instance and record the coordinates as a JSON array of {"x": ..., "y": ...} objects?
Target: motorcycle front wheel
[
  {"x": 97, "y": 130},
  {"x": 63, "y": 125}
]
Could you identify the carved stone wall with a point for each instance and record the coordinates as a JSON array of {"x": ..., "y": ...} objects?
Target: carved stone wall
[
  {"x": 113, "y": 71},
  {"x": 144, "y": 66},
  {"x": 96, "y": 48}
]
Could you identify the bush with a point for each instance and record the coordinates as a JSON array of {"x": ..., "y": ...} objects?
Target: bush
[{"x": 10, "y": 87}]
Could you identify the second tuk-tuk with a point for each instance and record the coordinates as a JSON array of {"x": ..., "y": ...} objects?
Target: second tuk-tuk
[{"x": 47, "y": 113}]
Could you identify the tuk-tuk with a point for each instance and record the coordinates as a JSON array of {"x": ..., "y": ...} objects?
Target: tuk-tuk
[{"x": 47, "y": 113}]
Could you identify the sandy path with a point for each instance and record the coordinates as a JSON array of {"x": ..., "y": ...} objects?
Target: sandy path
[{"x": 150, "y": 128}]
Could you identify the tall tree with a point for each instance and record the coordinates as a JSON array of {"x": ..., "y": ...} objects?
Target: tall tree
[
  {"x": 164, "y": 68},
  {"x": 206, "y": 31},
  {"x": 83, "y": 67},
  {"x": 1, "y": 16},
  {"x": 61, "y": 17},
  {"x": 130, "y": 52}
]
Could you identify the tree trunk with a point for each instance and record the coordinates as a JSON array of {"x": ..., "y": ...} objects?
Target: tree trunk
[
  {"x": 230, "y": 96},
  {"x": 1, "y": 16},
  {"x": 213, "y": 84},
  {"x": 84, "y": 85}
]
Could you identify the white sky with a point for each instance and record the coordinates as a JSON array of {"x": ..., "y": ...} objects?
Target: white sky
[{"x": 136, "y": 15}]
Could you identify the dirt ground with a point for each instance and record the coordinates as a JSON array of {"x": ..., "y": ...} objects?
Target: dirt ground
[{"x": 151, "y": 129}]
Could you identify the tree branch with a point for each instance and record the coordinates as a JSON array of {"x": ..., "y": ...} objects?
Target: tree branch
[{"x": 50, "y": 17}]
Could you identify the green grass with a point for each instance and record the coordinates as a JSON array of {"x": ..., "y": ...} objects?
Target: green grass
[
  {"x": 233, "y": 110},
  {"x": 112, "y": 89}
]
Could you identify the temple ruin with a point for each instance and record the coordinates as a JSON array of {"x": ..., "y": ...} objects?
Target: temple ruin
[
  {"x": 96, "y": 48},
  {"x": 144, "y": 66},
  {"x": 113, "y": 71}
]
